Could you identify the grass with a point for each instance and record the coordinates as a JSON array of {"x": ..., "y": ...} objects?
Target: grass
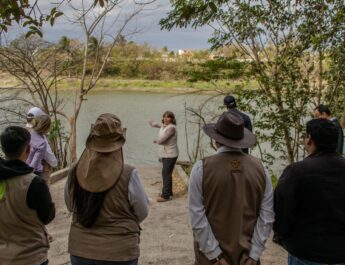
[
  {"x": 142, "y": 85},
  {"x": 159, "y": 86}
]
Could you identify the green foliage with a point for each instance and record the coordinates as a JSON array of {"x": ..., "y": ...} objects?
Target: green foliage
[
  {"x": 294, "y": 48},
  {"x": 274, "y": 180},
  {"x": 58, "y": 139},
  {"x": 219, "y": 69},
  {"x": 29, "y": 15}
]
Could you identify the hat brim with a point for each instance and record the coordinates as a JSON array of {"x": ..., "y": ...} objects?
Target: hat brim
[
  {"x": 98, "y": 172},
  {"x": 247, "y": 141}
]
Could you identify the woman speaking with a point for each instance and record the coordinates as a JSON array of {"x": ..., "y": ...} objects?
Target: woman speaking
[{"x": 168, "y": 152}]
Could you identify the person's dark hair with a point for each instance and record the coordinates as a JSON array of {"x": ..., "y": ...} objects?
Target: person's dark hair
[
  {"x": 324, "y": 134},
  {"x": 230, "y": 102},
  {"x": 323, "y": 109},
  {"x": 86, "y": 205},
  {"x": 170, "y": 115},
  {"x": 14, "y": 140}
]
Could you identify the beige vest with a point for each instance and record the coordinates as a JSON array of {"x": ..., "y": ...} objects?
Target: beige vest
[
  {"x": 233, "y": 188},
  {"x": 169, "y": 149},
  {"x": 23, "y": 239},
  {"x": 115, "y": 234}
]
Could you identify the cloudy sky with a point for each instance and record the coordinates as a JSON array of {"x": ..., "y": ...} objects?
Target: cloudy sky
[{"x": 147, "y": 22}]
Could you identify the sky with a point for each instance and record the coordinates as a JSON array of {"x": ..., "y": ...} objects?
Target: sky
[{"x": 147, "y": 22}]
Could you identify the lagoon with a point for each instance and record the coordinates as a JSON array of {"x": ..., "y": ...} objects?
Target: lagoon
[{"x": 136, "y": 109}]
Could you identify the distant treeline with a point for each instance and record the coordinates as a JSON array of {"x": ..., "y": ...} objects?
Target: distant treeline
[{"x": 141, "y": 61}]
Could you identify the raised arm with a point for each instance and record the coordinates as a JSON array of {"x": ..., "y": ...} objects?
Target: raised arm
[{"x": 155, "y": 124}]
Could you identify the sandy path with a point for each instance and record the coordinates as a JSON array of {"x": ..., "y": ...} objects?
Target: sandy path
[{"x": 166, "y": 237}]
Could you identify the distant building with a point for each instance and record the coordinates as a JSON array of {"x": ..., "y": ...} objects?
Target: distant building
[{"x": 186, "y": 53}]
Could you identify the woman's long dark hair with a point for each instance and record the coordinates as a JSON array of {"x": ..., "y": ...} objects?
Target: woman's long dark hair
[{"x": 86, "y": 205}]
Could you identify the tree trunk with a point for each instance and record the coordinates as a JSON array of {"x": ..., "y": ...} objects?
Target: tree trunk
[
  {"x": 73, "y": 132},
  {"x": 73, "y": 139}
]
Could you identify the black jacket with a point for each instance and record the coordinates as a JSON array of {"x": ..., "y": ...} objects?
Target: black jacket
[
  {"x": 38, "y": 196},
  {"x": 340, "y": 136},
  {"x": 309, "y": 203}
]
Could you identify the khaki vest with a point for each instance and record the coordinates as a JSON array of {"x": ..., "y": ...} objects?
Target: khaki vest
[
  {"x": 233, "y": 188},
  {"x": 115, "y": 234},
  {"x": 23, "y": 238},
  {"x": 169, "y": 149}
]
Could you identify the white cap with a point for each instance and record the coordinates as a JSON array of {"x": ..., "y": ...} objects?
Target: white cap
[{"x": 36, "y": 112}]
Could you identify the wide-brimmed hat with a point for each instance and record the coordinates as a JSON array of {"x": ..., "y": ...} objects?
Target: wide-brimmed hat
[
  {"x": 106, "y": 134},
  {"x": 230, "y": 131},
  {"x": 101, "y": 163}
]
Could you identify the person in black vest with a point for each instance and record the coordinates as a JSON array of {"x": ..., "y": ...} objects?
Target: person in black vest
[
  {"x": 323, "y": 111},
  {"x": 230, "y": 103},
  {"x": 309, "y": 201}
]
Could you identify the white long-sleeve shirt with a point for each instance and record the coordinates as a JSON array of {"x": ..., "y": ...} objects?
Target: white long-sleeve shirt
[{"x": 203, "y": 234}]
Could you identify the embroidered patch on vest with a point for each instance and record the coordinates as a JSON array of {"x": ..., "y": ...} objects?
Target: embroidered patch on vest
[{"x": 235, "y": 164}]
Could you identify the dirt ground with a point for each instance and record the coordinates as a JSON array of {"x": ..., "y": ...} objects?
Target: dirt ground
[{"x": 166, "y": 236}]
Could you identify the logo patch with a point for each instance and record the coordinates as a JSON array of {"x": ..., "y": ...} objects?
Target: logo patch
[{"x": 235, "y": 164}]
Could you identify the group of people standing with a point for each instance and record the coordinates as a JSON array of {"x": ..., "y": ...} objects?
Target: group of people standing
[{"x": 232, "y": 204}]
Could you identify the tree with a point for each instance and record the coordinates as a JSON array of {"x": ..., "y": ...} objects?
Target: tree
[
  {"x": 37, "y": 67},
  {"x": 97, "y": 30},
  {"x": 28, "y": 14},
  {"x": 68, "y": 48},
  {"x": 287, "y": 43}
]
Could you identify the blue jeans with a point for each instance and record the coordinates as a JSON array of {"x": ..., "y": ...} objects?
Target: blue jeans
[
  {"x": 82, "y": 261},
  {"x": 292, "y": 260}
]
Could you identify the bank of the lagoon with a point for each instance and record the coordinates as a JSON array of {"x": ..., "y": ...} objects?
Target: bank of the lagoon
[
  {"x": 143, "y": 85},
  {"x": 159, "y": 86}
]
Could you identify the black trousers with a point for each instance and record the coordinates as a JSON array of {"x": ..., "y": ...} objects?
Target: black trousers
[{"x": 168, "y": 167}]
